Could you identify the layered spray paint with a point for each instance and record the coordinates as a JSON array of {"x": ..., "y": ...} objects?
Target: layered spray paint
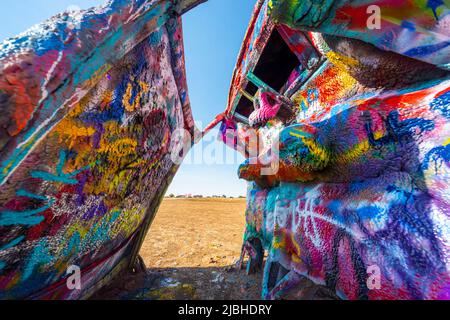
[
  {"x": 89, "y": 103},
  {"x": 362, "y": 185},
  {"x": 417, "y": 29}
]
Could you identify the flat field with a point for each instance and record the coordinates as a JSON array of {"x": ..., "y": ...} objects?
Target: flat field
[{"x": 195, "y": 233}]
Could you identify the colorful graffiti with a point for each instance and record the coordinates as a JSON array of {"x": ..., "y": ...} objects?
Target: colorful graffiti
[
  {"x": 363, "y": 164},
  {"x": 89, "y": 102},
  {"x": 417, "y": 29}
]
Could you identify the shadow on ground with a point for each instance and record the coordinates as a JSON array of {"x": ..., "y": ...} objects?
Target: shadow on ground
[
  {"x": 225, "y": 283},
  {"x": 212, "y": 283}
]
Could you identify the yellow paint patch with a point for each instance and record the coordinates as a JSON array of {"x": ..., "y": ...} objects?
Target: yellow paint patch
[
  {"x": 127, "y": 223},
  {"x": 279, "y": 240},
  {"x": 378, "y": 134},
  {"x": 300, "y": 101},
  {"x": 295, "y": 134},
  {"x": 82, "y": 231},
  {"x": 353, "y": 153},
  {"x": 341, "y": 61},
  {"x": 300, "y": 134},
  {"x": 341, "y": 81},
  {"x": 317, "y": 150},
  {"x": 130, "y": 107},
  {"x": 446, "y": 142},
  {"x": 278, "y": 244},
  {"x": 297, "y": 247},
  {"x": 71, "y": 133},
  {"x": 119, "y": 148}
]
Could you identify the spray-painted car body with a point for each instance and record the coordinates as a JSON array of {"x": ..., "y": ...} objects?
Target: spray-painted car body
[
  {"x": 359, "y": 201},
  {"x": 89, "y": 102}
]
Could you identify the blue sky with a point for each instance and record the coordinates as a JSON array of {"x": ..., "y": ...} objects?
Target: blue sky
[{"x": 213, "y": 33}]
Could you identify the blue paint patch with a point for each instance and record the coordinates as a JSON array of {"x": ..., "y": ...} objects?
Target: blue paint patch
[
  {"x": 442, "y": 104},
  {"x": 99, "y": 232},
  {"x": 24, "y": 193},
  {"x": 25, "y": 218},
  {"x": 433, "y": 5},
  {"x": 73, "y": 244},
  {"x": 334, "y": 205},
  {"x": 156, "y": 37},
  {"x": 60, "y": 176},
  {"x": 114, "y": 112},
  {"x": 408, "y": 25},
  {"x": 12, "y": 243},
  {"x": 398, "y": 129},
  {"x": 436, "y": 154},
  {"x": 369, "y": 212},
  {"x": 426, "y": 50},
  {"x": 39, "y": 257}
]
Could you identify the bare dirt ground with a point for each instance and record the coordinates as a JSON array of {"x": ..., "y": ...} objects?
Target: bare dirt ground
[
  {"x": 195, "y": 233},
  {"x": 190, "y": 252}
]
